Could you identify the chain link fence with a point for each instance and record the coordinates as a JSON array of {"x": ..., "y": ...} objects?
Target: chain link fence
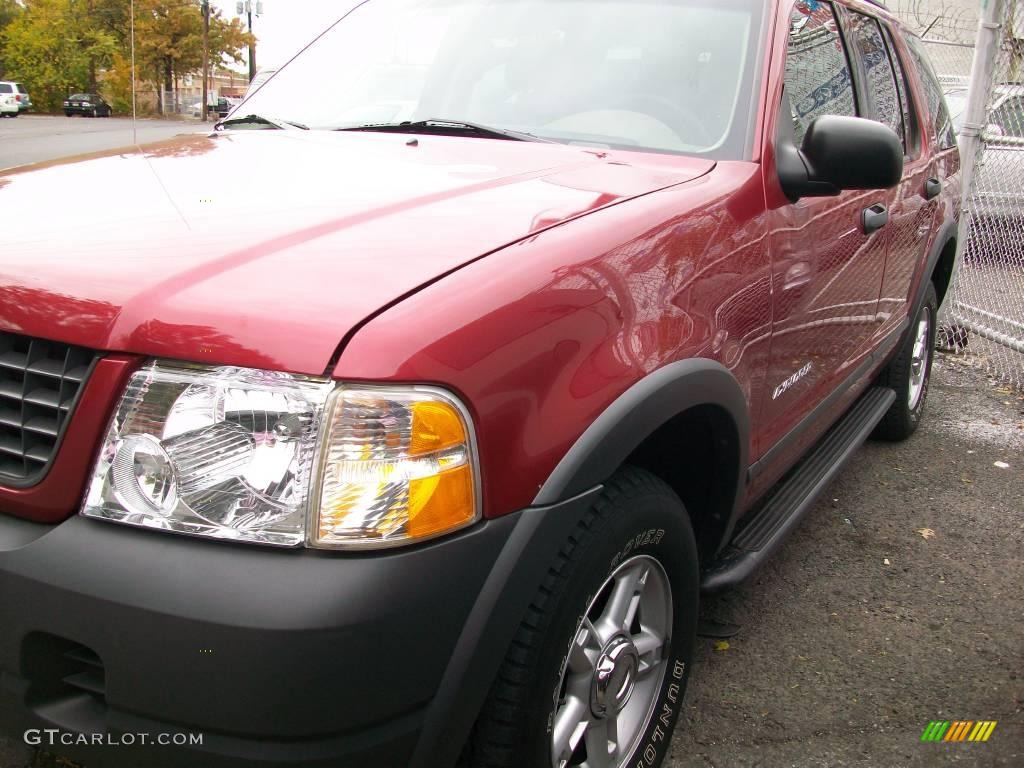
[{"x": 983, "y": 318}]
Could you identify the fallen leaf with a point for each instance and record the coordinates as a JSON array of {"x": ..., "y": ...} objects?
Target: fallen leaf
[
  {"x": 886, "y": 561},
  {"x": 926, "y": 533},
  {"x": 967, "y": 481},
  {"x": 1001, "y": 465},
  {"x": 721, "y": 645}
]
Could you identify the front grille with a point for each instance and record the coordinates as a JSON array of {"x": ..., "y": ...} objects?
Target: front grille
[{"x": 39, "y": 385}]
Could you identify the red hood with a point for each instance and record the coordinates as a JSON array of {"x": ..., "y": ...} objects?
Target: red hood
[{"x": 264, "y": 248}]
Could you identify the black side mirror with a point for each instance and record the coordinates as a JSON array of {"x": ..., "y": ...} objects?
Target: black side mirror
[{"x": 840, "y": 153}]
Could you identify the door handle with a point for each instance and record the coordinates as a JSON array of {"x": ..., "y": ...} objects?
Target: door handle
[
  {"x": 932, "y": 188},
  {"x": 874, "y": 218}
]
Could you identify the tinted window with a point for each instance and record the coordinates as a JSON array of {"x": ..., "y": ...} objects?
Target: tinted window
[
  {"x": 866, "y": 40},
  {"x": 910, "y": 126},
  {"x": 21, "y": 88},
  {"x": 6, "y": 88},
  {"x": 941, "y": 127},
  {"x": 817, "y": 71},
  {"x": 79, "y": 97}
]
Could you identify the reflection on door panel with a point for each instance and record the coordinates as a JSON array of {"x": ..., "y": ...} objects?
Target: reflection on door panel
[{"x": 827, "y": 273}]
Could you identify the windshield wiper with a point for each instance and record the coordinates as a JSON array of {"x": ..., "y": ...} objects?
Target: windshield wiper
[
  {"x": 448, "y": 127},
  {"x": 261, "y": 120}
]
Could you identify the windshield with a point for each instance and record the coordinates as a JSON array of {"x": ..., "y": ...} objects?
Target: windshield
[
  {"x": 665, "y": 75},
  {"x": 78, "y": 97}
]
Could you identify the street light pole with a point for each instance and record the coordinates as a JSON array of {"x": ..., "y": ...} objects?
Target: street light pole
[{"x": 206, "y": 57}]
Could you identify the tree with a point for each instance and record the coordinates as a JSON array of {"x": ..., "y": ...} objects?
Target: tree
[
  {"x": 59, "y": 46},
  {"x": 169, "y": 39},
  {"x": 52, "y": 47},
  {"x": 9, "y": 11}
]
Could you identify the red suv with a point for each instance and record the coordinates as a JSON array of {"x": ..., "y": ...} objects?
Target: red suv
[{"x": 402, "y": 420}]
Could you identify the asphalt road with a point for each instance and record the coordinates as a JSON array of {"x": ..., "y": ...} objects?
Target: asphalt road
[
  {"x": 862, "y": 630},
  {"x": 34, "y": 138}
]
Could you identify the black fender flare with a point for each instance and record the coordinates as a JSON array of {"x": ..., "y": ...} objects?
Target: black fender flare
[
  {"x": 948, "y": 231},
  {"x": 534, "y": 535},
  {"x": 637, "y": 413}
]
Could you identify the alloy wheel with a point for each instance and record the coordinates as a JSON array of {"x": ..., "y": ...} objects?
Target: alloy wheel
[{"x": 615, "y": 668}]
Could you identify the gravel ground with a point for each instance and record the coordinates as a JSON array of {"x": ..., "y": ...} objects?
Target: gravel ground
[
  {"x": 897, "y": 602},
  {"x": 861, "y": 630}
]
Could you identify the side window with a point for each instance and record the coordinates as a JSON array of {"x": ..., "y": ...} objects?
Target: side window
[
  {"x": 910, "y": 126},
  {"x": 866, "y": 39},
  {"x": 941, "y": 126},
  {"x": 5, "y": 88},
  {"x": 817, "y": 71}
]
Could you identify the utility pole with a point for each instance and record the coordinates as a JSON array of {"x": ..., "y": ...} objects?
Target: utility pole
[
  {"x": 206, "y": 57},
  {"x": 252, "y": 45},
  {"x": 249, "y": 7},
  {"x": 135, "y": 134}
]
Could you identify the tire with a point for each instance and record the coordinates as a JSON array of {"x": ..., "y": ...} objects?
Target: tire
[
  {"x": 636, "y": 533},
  {"x": 67, "y": 114},
  {"x": 909, "y": 374},
  {"x": 94, "y": 113}
]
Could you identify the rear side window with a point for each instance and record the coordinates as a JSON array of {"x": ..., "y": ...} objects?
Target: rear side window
[
  {"x": 6, "y": 88},
  {"x": 818, "y": 78},
  {"x": 940, "y": 127},
  {"x": 909, "y": 121},
  {"x": 21, "y": 88},
  {"x": 866, "y": 40}
]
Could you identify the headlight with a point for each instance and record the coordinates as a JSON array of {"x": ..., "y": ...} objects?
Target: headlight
[{"x": 235, "y": 453}]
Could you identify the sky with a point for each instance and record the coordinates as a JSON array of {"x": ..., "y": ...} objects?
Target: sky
[{"x": 286, "y": 25}]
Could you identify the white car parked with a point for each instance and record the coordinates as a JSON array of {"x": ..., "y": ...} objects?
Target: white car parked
[{"x": 10, "y": 98}]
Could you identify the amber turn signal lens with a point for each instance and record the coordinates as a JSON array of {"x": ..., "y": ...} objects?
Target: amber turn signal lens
[{"x": 397, "y": 466}]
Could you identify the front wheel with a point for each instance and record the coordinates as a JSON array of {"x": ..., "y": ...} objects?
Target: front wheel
[
  {"x": 596, "y": 673},
  {"x": 909, "y": 374}
]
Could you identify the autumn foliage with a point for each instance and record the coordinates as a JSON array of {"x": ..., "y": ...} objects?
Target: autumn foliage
[{"x": 55, "y": 47}]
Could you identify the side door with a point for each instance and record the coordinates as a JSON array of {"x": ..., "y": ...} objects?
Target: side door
[
  {"x": 827, "y": 265},
  {"x": 914, "y": 202}
]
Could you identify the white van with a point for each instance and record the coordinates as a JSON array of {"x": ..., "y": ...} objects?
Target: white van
[{"x": 13, "y": 99}]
